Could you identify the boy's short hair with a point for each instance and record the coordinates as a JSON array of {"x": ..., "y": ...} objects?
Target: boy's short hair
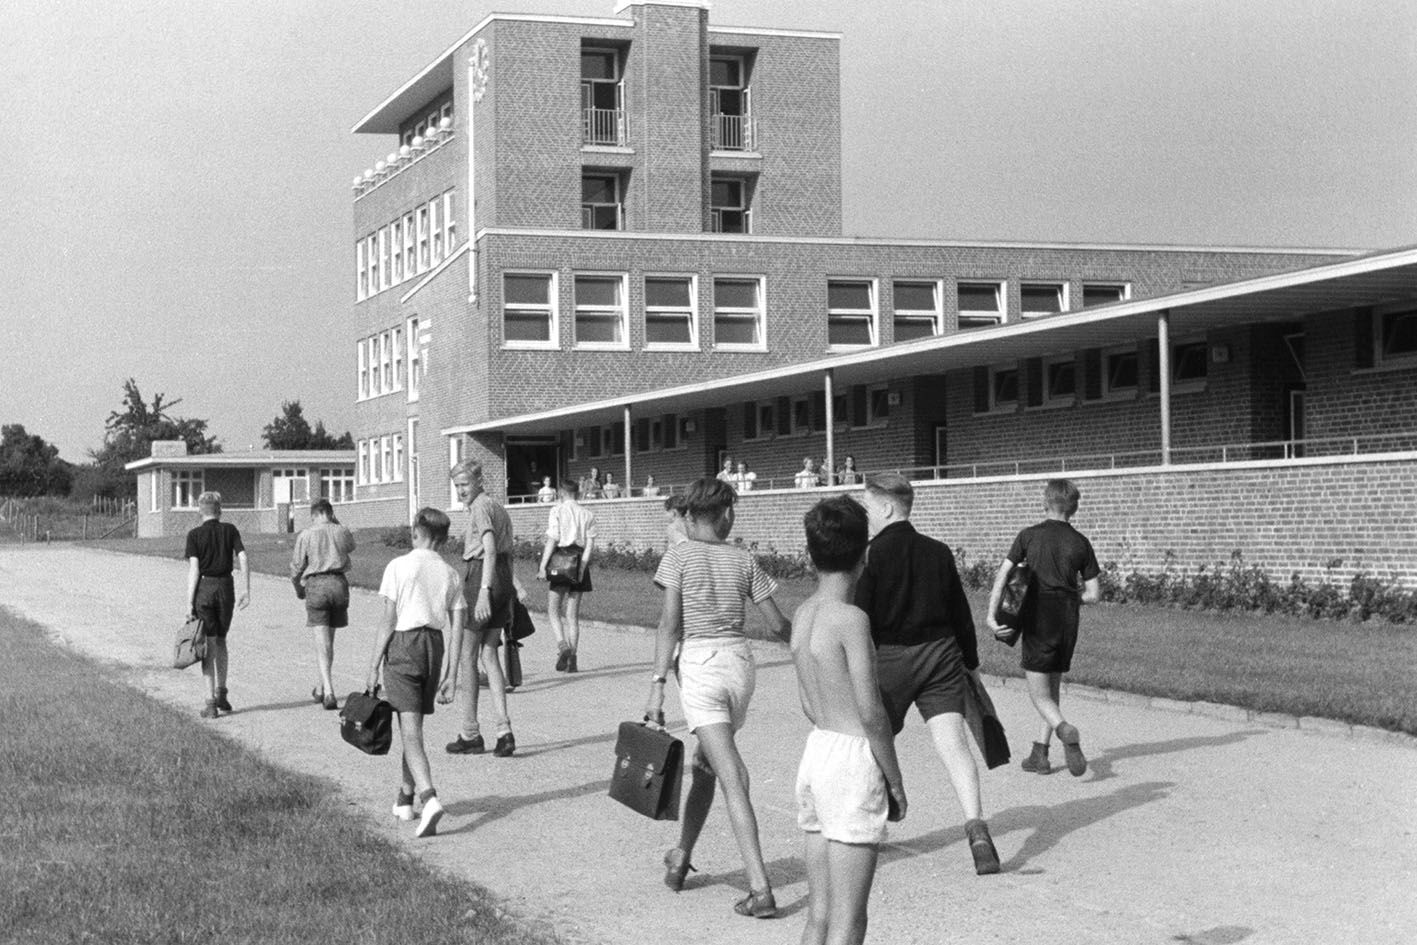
[
  {"x": 322, "y": 507},
  {"x": 433, "y": 523},
  {"x": 1060, "y": 495},
  {"x": 709, "y": 499},
  {"x": 837, "y": 533},
  {"x": 470, "y": 467},
  {"x": 893, "y": 487},
  {"x": 209, "y": 502},
  {"x": 571, "y": 487},
  {"x": 676, "y": 504}
]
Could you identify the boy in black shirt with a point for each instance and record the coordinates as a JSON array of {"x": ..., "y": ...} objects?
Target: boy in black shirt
[
  {"x": 213, "y": 549},
  {"x": 1065, "y": 575}
]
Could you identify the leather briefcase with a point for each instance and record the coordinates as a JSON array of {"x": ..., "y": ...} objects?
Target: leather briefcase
[
  {"x": 367, "y": 722},
  {"x": 1014, "y": 602},
  {"x": 649, "y": 769},
  {"x": 191, "y": 645},
  {"x": 983, "y": 722}
]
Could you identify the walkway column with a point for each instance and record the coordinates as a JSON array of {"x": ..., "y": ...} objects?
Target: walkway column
[
  {"x": 1163, "y": 362},
  {"x": 629, "y": 448},
  {"x": 830, "y": 459}
]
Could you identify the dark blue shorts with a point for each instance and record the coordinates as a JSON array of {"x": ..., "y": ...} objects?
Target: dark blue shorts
[
  {"x": 929, "y": 676},
  {"x": 1051, "y": 633},
  {"x": 215, "y": 603},
  {"x": 413, "y": 664},
  {"x": 327, "y": 601}
]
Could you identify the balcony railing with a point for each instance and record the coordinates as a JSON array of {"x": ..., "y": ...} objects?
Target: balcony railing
[
  {"x": 731, "y": 221},
  {"x": 402, "y": 159},
  {"x": 734, "y": 132},
  {"x": 603, "y": 126},
  {"x": 602, "y": 216}
]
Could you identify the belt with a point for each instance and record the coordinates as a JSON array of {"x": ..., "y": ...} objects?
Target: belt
[
  {"x": 338, "y": 574},
  {"x": 216, "y": 577}
]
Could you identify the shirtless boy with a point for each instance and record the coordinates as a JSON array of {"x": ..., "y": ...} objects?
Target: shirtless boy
[{"x": 849, "y": 782}]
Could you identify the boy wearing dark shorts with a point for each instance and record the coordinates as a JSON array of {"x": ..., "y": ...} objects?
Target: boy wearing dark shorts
[
  {"x": 319, "y": 562},
  {"x": 422, "y": 599},
  {"x": 849, "y": 782},
  {"x": 214, "y": 548},
  {"x": 1065, "y": 576}
]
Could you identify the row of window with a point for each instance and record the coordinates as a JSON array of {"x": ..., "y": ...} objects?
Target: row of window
[
  {"x": 530, "y": 317},
  {"x": 603, "y": 99},
  {"x": 603, "y": 201},
  {"x": 381, "y": 361},
  {"x": 379, "y": 459},
  {"x": 336, "y": 484},
  {"x": 407, "y": 247},
  {"x": 651, "y": 435},
  {"x": 1104, "y": 374}
]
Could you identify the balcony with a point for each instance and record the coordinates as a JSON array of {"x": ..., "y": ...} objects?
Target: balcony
[
  {"x": 602, "y": 216},
  {"x": 734, "y": 132},
  {"x": 729, "y": 220},
  {"x": 401, "y": 160},
  {"x": 603, "y": 127}
]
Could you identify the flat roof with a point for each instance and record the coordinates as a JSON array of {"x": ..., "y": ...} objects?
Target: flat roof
[
  {"x": 270, "y": 458},
  {"x": 1370, "y": 280}
]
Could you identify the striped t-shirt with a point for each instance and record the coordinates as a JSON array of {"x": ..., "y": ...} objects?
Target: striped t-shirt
[{"x": 714, "y": 579}]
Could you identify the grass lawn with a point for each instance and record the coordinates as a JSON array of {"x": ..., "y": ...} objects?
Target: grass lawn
[
  {"x": 1357, "y": 672},
  {"x": 125, "y": 821}
]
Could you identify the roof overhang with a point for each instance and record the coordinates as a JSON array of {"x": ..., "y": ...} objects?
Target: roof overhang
[
  {"x": 1370, "y": 280},
  {"x": 271, "y": 459}
]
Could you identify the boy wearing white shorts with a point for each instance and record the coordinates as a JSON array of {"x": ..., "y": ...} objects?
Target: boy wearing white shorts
[{"x": 849, "y": 782}]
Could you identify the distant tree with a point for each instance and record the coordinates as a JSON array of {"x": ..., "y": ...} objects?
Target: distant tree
[
  {"x": 29, "y": 466},
  {"x": 130, "y": 432},
  {"x": 291, "y": 431}
]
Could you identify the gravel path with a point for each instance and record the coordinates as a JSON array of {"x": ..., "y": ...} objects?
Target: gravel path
[{"x": 1188, "y": 828}]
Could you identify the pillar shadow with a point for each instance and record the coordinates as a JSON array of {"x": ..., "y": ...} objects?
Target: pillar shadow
[{"x": 1100, "y": 766}]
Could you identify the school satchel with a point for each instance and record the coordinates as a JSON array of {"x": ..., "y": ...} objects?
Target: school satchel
[
  {"x": 983, "y": 722},
  {"x": 649, "y": 769},
  {"x": 1015, "y": 599},
  {"x": 191, "y": 645},
  {"x": 521, "y": 627},
  {"x": 563, "y": 568},
  {"x": 367, "y": 722}
]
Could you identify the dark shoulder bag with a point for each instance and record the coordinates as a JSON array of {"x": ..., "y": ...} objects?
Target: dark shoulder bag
[
  {"x": 1014, "y": 602},
  {"x": 367, "y": 722}
]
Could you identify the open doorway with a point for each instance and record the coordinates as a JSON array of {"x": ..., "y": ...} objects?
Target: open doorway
[{"x": 529, "y": 460}]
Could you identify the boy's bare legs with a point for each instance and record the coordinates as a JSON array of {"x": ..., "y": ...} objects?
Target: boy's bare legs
[
  {"x": 716, "y": 742},
  {"x": 851, "y": 868},
  {"x": 573, "y": 622},
  {"x": 468, "y": 686},
  {"x": 819, "y": 899},
  {"x": 555, "y": 603},
  {"x": 952, "y": 744},
  {"x": 214, "y": 665},
  {"x": 496, "y": 681},
  {"x": 325, "y": 657},
  {"x": 696, "y": 806},
  {"x": 1045, "y": 692},
  {"x": 415, "y": 757}
]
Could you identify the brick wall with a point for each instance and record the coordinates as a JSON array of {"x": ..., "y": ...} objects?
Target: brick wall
[{"x": 1300, "y": 517}]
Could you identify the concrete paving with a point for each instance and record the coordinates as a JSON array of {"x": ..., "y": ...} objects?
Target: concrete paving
[{"x": 1188, "y": 828}]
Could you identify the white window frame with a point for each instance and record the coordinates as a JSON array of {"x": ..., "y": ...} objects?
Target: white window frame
[
  {"x": 361, "y": 469},
  {"x": 450, "y": 230},
  {"x": 1179, "y": 386},
  {"x": 874, "y": 418},
  {"x": 1048, "y": 398},
  {"x": 386, "y": 453},
  {"x": 803, "y": 429},
  {"x": 762, "y": 431},
  {"x": 455, "y": 456},
  {"x": 997, "y": 317},
  {"x": 412, "y": 331},
  {"x": 386, "y": 362},
  {"x": 383, "y": 258},
  {"x": 911, "y": 315},
  {"x": 692, "y": 312},
  {"x": 361, "y": 282},
  {"x": 187, "y": 486},
  {"x": 620, "y": 312},
  {"x": 743, "y": 206},
  {"x": 1381, "y": 357},
  {"x": 410, "y": 257},
  {"x": 995, "y": 372},
  {"x": 337, "y": 484},
  {"x": 854, "y": 316},
  {"x": 1126, "y": 288},
  {"x": 363, "y": 371},
  {"x": 552, "y": 307},
  {"x": 396, "y": 334},
  {"x": 435, "y": 234},
  {"x": 1119, "y": 393},
  {"x": 373, "y": 342},
  {"x": 372, "y": 252},
  {"x": 395, "y": 257},
  {"x": 758, "y": 314},
  {"x": 422, "y": 215},
  {"x": 1059, "y": 288},
  {"x": 618, "y": 201},
  {"x": 398, "y": 457}
]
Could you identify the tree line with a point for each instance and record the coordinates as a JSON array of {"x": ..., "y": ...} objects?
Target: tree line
[{"x": 29, "y": 466}]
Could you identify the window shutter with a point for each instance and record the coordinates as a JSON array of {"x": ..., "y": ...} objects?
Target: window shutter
[
  {"x": 981, "y": 390},
  {"x": 1363, "y": 338},
  {"x": 671, "y": 430},
  {"x": 784, "y": 416},
  {"x": 750, "y": 421},
  {"x": 858, "y": 406},
  {"x": 1092, "y": 374},
  {"x": 617, "y": 437},
  {"x": 642, "y": 435},
  {"x": 1033, "y": 375},
  {"x": 1153, "y": 365},
  {"x": 819, "y": 411}
]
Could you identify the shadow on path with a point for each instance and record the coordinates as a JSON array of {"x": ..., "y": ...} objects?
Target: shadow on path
[
  {"x": 494, "y": 807},
  {"x": 1100, "y": 766}
]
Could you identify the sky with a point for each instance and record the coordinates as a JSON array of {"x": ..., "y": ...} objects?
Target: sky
[{"x": 177, "y": 205}]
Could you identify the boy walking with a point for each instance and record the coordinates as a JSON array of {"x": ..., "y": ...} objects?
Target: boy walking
[
  {"x": 422, "y": 599},
  {"x": 319, "y": 562},
  {"x": 1065, "y": 576},
  {"x": 214, "y": 548},
  {"x": 849, "y": 782}
]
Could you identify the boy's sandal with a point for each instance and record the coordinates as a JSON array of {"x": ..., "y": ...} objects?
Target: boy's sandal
[{"x": 759, "y": 905}]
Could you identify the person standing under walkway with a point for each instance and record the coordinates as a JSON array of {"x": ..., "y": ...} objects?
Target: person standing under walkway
[
  {"x": 925, "y": 643},
  {"x": 570, "y": 528},
  {"x": 214, "y": 548},
  {"x": 706, "y": 583},
  {"x": 1065, "y": 576},
  {"x": 488, "y": 586},
  {"x": 319, "y": 562}
]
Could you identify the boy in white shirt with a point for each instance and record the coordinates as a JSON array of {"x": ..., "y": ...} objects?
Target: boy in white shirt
[{"x": 422, "y": 598}]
